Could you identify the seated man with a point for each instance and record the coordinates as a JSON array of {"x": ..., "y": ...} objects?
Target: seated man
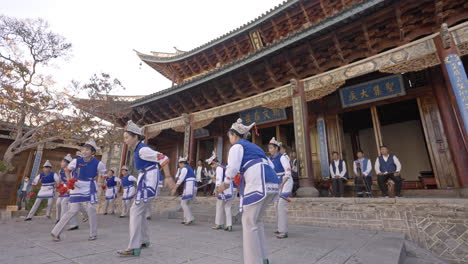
[
  {"x": 362, "y": 169},
  {"x": 387, "y": 166},
  {"x": 338, "y": 174}
]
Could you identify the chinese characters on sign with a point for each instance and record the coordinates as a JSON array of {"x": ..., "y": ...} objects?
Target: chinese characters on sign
[
  {"x": 376, "y": 90},
  {"x": 322, "y": 137},
  {"x": 262, "y": 115},
  {"x": 459, "y": 82}
]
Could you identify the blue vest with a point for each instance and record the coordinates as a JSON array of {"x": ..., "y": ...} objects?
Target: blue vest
[
  {"x": 363, "y": 166},
  {"x": 253, "y": 152},
  {"x": 141, "y": 164},
  {"x": 110, "y": 182},
  {"x": 277, "y": 162},
  {"x": 126, "y": 182},
  {"x": 387, "y": 166},
  {"x": 63, "y": 176},
  {"x": 49, "y": 178},
  {"x": 88, "y": 170},
  {"x": 190, "y": 174},
  {"x": 340, "y": 167}
]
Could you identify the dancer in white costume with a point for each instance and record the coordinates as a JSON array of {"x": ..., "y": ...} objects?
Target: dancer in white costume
[
  {"x": 48, "y": 180},
  {"x": 186, "y": 176},
  {"x": 283, "y": 171},
  {"x": 147, "y": 161},
  {"x": 128, "y": 185},
  {"x": 258, "y": 186},
  {"x": 112, "y": 184},
  {"x": 83, "y": 189},
  {"x": 223, "y": 218}
]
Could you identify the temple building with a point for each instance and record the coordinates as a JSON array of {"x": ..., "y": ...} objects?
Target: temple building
[{"x": 325, "y": 76}]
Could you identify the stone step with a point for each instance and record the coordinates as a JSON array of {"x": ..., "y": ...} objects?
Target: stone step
[{"x": 383, "y": 248}]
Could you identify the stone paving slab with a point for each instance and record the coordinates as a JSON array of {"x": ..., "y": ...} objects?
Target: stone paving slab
[{"x": 30, "y": 242}]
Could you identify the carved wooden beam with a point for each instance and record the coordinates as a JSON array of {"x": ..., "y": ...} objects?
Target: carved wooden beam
[
  {"x": 338, "y": 48},
  {"x": 270, "y": 73},
  {"x": 155, "y": 117},
  {"x": 221, "y": 95},
  {"x": 322, "y": 5},
  {"x": 288, "y": 18},
  {"x": 366, "y": 36},
  {"x": 220, "y": 60},
  {"x": 239, "y": 52},
  {"x": 252, "y": 82},
  {"x": 235, "y": 86},
  {"x": 305, "y": 12},
  {"x": 208, "y": 60},
  {"x": 199, "y": 65},
  {"x": 207, "y": 97},
  {"x": 162, "y": 112},
  {"x": 275, "y": 29},
  {"x": 312, "y": 56},
  {"x": 190, "y": 67},
  {"x": 286, "y": 56},
  {"x": 182, "y": 103},
  {"x": 197, "y": 104},
  {"x": 397, "y": 9},
  {"x": 227, "y": 52},
  {"x": 172, "y": 107},
  {"x": 439, "y": 9}
]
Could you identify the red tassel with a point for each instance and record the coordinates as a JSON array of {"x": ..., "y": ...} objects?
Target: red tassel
[
  {"x": 103, "y": 187},
  {"x": 256, "y": 130},
  {"x": 71, "y": 184}
]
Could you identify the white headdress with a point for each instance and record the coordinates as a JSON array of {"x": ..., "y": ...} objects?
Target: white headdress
[
  {"x": 78, "y": 153},
  {"x": 47, "y": 164},
  {"x": 183, "y": 159},
  {"x": 92, "y": 143},
  {"x": 124, "y": 168},
  {"x": 132, "y": 127},
  {"x": 68, "y": 158},
  {"x": 212, "y": 158},
  {"x": 241, "y": 128},
  {"x": 274, "y": 142}
]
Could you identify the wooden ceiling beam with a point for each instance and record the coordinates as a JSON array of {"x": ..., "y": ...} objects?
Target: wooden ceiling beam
[
  {"x": 275, "y": 29},
  {"x": 305, "y": 12},
  {"x": 182, "y": 103},
  {"x": 162, "y": 111},
  {"x": 270, "y": 73},
  {"x": 190, "y": 67},
  {"x": 220, "y": 59},
  {"x": 208, "y": 60},
  {"x": 312, "y": 56},
  {"x": 207, "y": 97},
  {"x": 366, "y": 37},
  {"x": 337, "y": 47},
  {"x": 252, "y": 82},
  {"x": 286, "y": 55},
  {"x": 397, "y": 9},
  {"x": 234, "y": 85},
  {"x": 221, "y": 95}
]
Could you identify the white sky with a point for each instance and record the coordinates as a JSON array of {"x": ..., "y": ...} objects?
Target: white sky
[{"x": 105, "y": 32}]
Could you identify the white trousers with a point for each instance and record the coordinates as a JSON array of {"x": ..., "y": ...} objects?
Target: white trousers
[
  {"x": 50, "y": 203},
  {"x": 223, "y": 212},
  {"x": 112, "y": 204},
  {"x": 185, "y": 204},
  {"x": 138, "y": 225},
  {"x": 72, "y": 212},
  {"x": 253, "y": 232},
  {"x": 125, "y": 207},
  {"x": 61, "y": 208},
  {"x": 282, "y": 215}
]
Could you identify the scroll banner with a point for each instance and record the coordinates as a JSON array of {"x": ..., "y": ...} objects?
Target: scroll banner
[
  {"x": 323, "y": 147},
  {"x": 37, "y": 161},
  {"x": 262, "y": 115},
  {"x": 201, "y": 132},
  {"x": 459, "y": 81},
  {"x": 373, "y": 91}
]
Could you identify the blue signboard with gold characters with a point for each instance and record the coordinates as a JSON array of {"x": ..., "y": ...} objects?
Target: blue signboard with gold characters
[
  {"x": 262, "y": 115},
  {"x": 459, "y": 81},
  {"x": 373, "y": 91}
]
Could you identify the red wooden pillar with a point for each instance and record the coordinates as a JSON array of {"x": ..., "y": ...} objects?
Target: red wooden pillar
[
  {"x": 451, "y": 117},
  {"x": 301, "y": 131}
]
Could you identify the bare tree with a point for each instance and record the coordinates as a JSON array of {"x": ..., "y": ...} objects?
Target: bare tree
[{"x": 28, "y": 103}]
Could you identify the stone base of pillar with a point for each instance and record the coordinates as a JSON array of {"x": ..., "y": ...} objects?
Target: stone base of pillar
[{"x": 307, "y": 191}]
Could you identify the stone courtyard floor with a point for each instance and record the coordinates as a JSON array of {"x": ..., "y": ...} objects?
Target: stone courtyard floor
[{"x": 30, "y": 242}]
